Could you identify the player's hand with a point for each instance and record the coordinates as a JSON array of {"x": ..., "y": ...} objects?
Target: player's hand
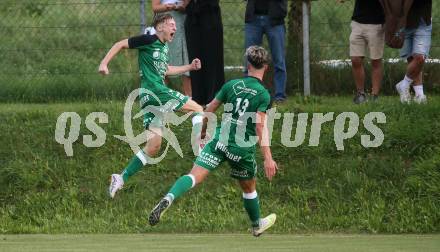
[
  {"x": 103, "y": 69},
  {"x": 270, "y": 168},
  {"x": 196, "y": 64}
]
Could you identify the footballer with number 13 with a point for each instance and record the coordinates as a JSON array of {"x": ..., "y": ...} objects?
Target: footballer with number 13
[{"x": 240, "y": 96}]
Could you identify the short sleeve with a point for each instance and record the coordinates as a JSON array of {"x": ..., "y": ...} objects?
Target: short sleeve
[
  {"x": 265, "y": 102},
  {"x": 141, "y": 40},
  {"x": 221, "y": 95}
]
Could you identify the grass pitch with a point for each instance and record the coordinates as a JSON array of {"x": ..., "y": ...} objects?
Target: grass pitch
[
  {"x": 219, "y": 242},
  {"x": 394, "y": 188}
]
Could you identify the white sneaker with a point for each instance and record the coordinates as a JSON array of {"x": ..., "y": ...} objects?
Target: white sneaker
[
  {"x": 420, "y": 99},
  {"x": 116, "y": 183},
  {"x": 265, "y": 223},
  {"x": 405, "y": 96}
]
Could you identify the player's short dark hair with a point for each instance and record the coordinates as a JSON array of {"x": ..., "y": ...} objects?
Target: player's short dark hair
[
  {"x": 161, "y": 18},
  {"x": 257, "y": 56}
]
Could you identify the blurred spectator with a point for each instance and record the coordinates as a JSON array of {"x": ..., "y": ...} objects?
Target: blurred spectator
[
  {"x": 178, "y": 51},
  {"x": 367, "y": 32},
  {"x": 267, "y": 17},
  {"x": 204, "y": 36},
  {"x": 418, "y": 32}
]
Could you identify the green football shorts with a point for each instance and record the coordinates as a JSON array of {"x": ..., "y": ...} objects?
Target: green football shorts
[
  {"x": 242, "y": 161},
  {"x": 163, "y": 101}
]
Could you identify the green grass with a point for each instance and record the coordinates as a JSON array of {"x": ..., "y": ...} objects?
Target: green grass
[
  {"x": 390, "y": 189},
  {"x": 221, "y": 242}
]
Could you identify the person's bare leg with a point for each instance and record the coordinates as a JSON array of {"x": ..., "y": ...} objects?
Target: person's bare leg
[
  {"x": 418, "y": 80},
  {"x": 376, "y": 76},
  {"x": 359, "y": 79},
  {"x": 248, "y": 186},
  {"x": 154, "y": 142},
  {"x": 358, "y": 73},
  {"x": 415, "y": 66}
]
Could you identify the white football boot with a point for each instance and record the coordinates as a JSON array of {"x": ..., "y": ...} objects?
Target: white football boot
[
  {"x": 265, "y": 223},
  {"x": 116, "y": 183}
]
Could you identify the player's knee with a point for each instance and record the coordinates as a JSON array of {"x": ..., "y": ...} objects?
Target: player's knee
[
  {"x": 198, "y": 174},
  {"x": 153, "y": 149},
  {"x": 247, "y": 187}
]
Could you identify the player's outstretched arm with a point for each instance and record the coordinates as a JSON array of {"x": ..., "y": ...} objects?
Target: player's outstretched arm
[
  {"x": 210, "y": 108},
  {"x": 213, "y": 106},
  {"x": 270, "y": 166},
  {"x": 194, "y": 66},
  {"x": 103, "y": 67}
]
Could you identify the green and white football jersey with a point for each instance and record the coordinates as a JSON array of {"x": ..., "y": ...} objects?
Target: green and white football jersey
[
  {"x": 242, "y": 98},
  {"x": 153, "y": 59},
  {"x": 153, "y": 65}
]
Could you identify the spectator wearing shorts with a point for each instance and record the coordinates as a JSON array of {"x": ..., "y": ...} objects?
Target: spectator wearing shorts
[
  {"x": 367, "y": 34},
  {"x": 178, "y": 51},
  {"x": 415, "y": 50}
]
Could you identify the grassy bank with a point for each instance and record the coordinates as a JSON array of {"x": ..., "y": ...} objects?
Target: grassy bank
[{"x": 393, "y": 188}]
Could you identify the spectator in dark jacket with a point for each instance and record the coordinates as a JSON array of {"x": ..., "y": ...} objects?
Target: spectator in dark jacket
[
  {"x": 267, "y": 17},
  {"x": 367, "y": 32},
  {"x": 415, "y": 50}
]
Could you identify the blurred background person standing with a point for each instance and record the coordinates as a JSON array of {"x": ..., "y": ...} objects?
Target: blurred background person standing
[
  {"x": 418, "y": 34},
  {"x": 267, "y": 17},
  {"x": 367, "y": 33},
  {"x": 204, "y": 34}
]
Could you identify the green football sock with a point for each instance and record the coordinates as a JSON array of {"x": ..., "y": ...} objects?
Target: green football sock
[
  {"x": 181, "y": 186},
  {"x": 135, "y": 164},
  {"x": 252, "y": 206}
]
